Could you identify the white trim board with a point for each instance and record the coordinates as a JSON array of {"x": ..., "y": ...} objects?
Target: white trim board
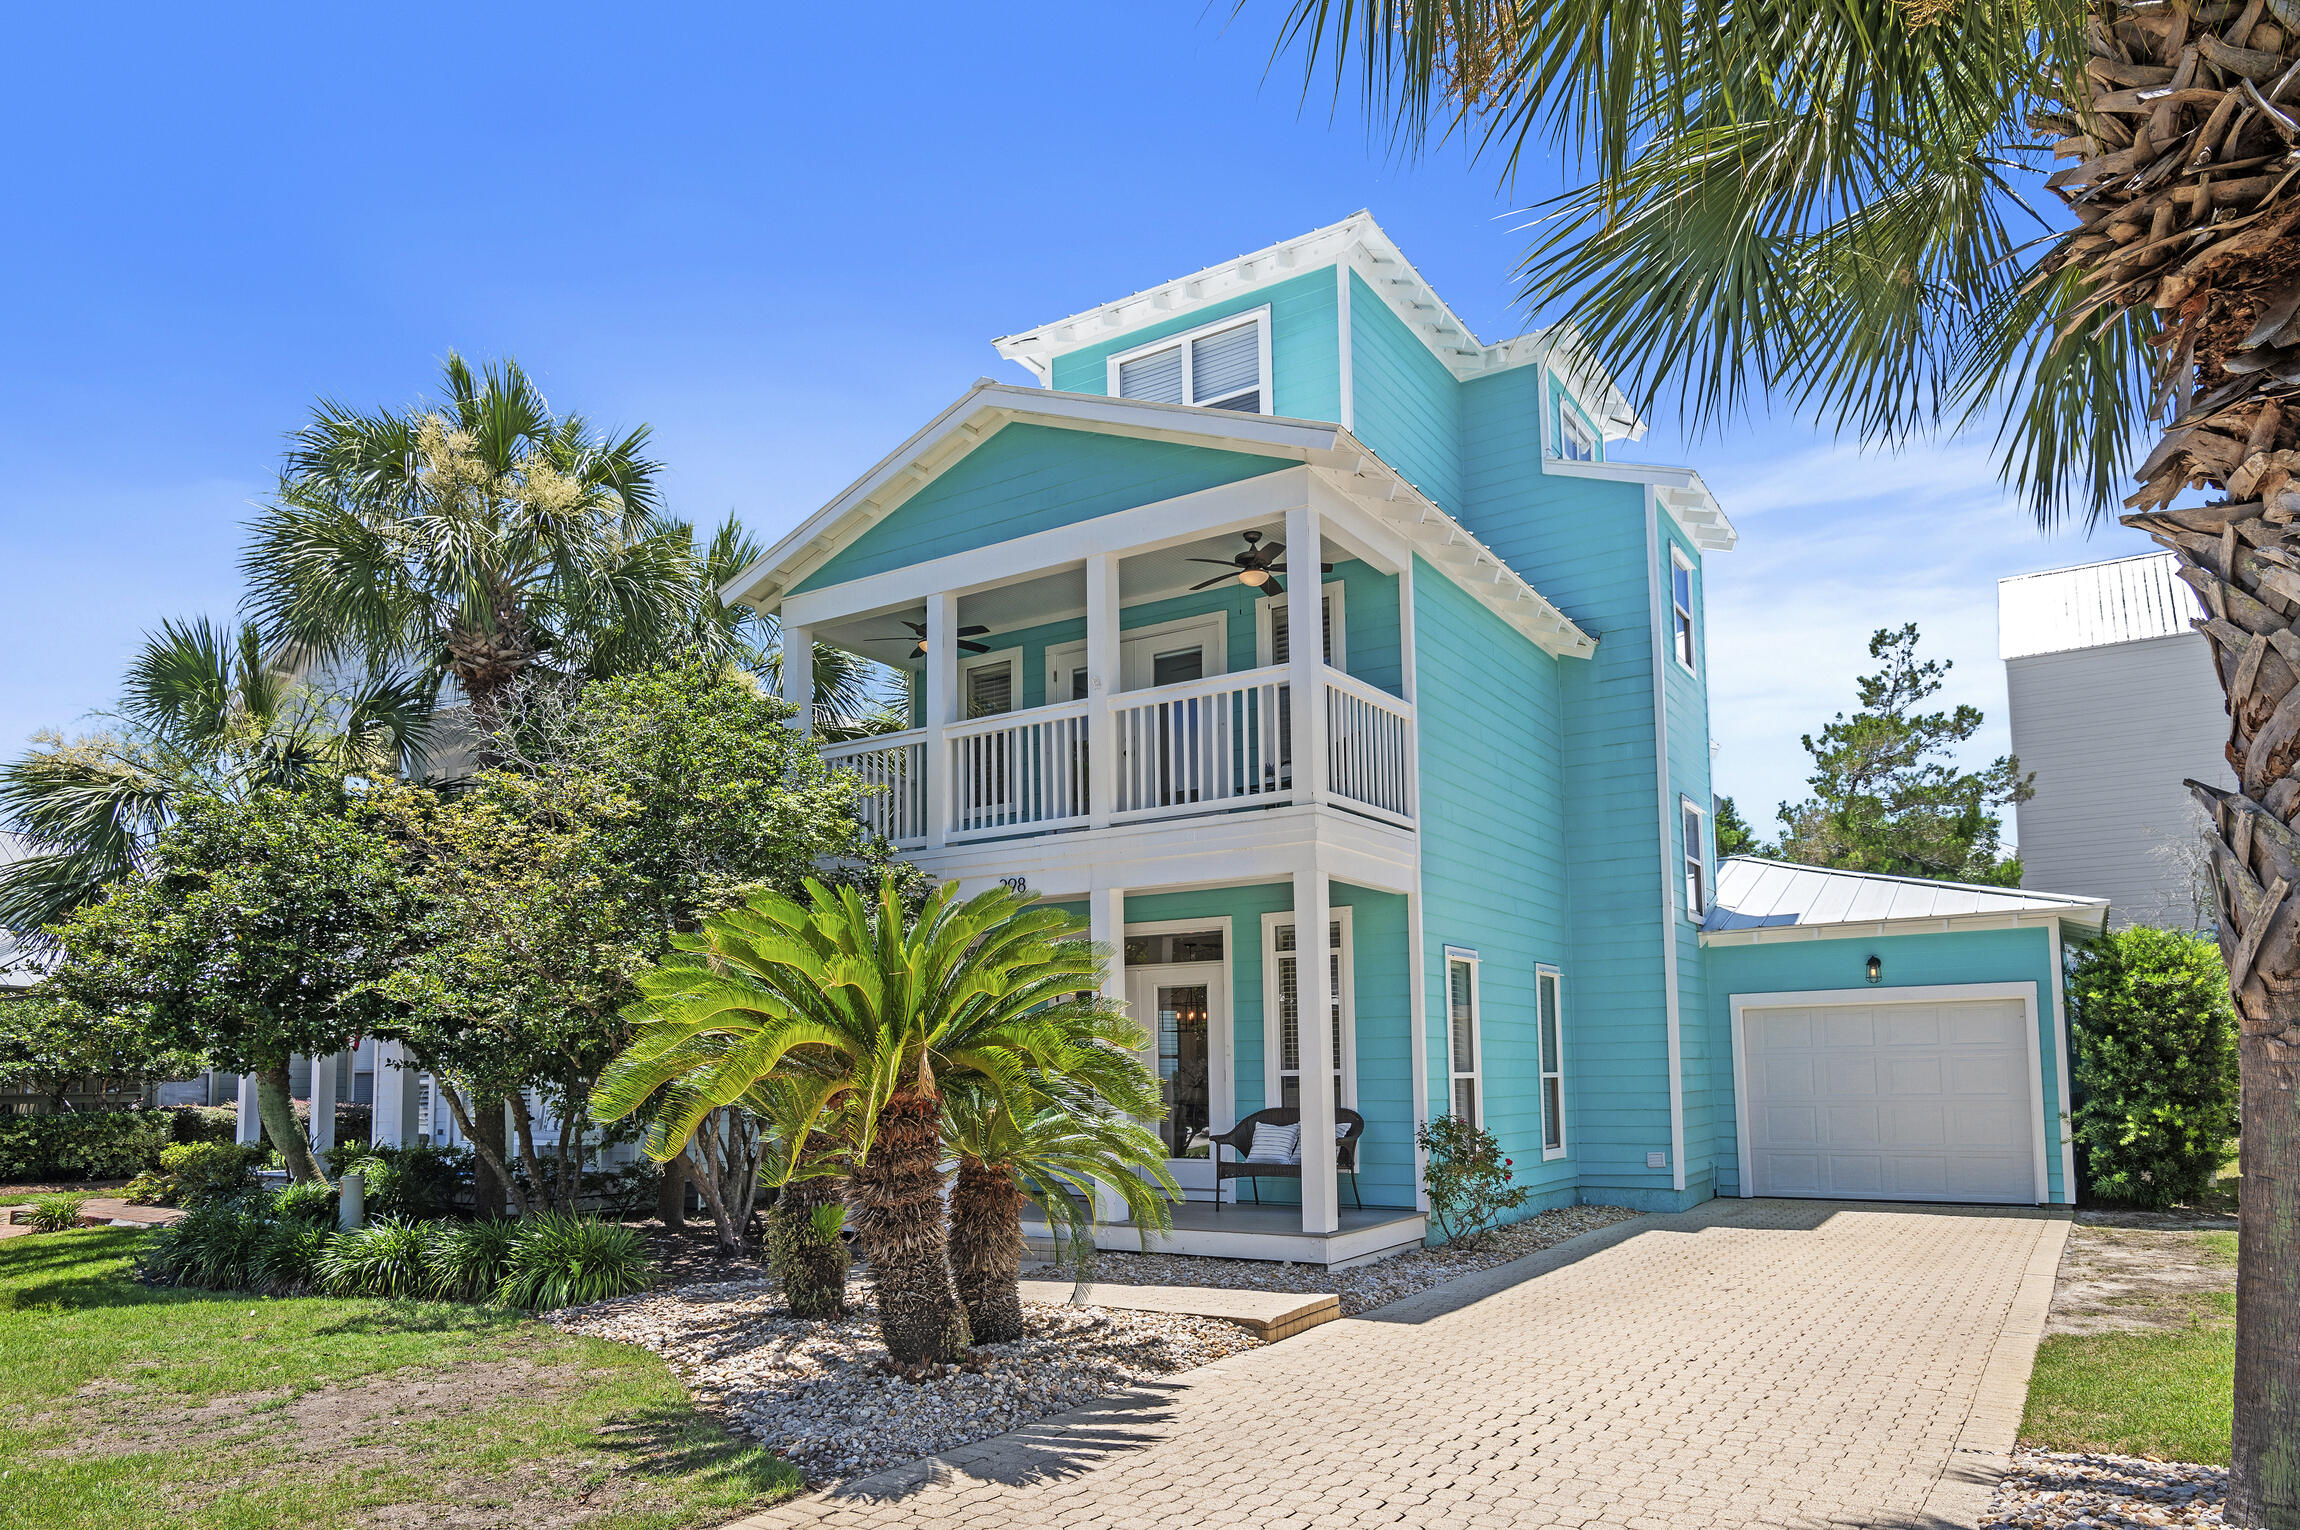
[
  {"x": 1931, "y": 993},
  {"x": 1929, "y": 924}
]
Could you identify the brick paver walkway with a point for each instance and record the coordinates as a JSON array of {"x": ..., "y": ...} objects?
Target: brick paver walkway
[{"x": 1765, "y": 1363}]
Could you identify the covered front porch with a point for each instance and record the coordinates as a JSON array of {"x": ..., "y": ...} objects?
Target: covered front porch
[{"x": 1274, "y": 1232}]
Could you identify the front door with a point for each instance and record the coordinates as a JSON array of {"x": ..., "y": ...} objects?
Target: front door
[{"x": 1184, "y": 1006}]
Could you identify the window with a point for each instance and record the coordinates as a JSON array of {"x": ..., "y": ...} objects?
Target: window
[
  {"x": 1696, "y": 863},
  {"x": 1224, "y": 365},
  {"x": 1461, "y": 1033},
  {"x": 1547, "y": 983},
  {"x": 1281, "y": 998},
  {"x": 1577, "y": 442},
  {"x": 990, "y": 689},
  {"x": 1681, "y": 606},
  {"x": 1277, "y": 638}
]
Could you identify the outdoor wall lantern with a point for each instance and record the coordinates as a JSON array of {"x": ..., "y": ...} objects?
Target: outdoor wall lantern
[{"x": 1876, "y": 969}]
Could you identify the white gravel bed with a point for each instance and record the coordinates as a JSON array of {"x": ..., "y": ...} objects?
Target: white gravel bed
[
  {"x": 1362, "y": 1287},
  {"x": 816, "y": 1391},
  {"x": 2050, "y": 1488}
]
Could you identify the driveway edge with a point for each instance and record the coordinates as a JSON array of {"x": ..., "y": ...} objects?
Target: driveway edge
[{"x": 1984, "y": 1446}]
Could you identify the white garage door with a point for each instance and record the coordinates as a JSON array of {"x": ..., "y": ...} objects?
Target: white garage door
[{"x": 1911, "y": 1101}]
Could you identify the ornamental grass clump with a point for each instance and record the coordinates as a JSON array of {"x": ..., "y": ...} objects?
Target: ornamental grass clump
[
  {"x": 287, "y": 1260},
  {"x": 465, "y": 1261},
  {"x": 214, "y": 1248},
  {"x": 386, "y": 1258},
  {"x": 313, "y": 1203},
  {"x": 559, "y": 1259},
  {"x": 55, "y": 1213}
]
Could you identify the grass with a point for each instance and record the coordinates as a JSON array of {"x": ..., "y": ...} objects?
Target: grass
[{"x": 217, "y": 1411}]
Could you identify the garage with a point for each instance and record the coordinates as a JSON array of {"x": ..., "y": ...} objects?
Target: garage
[{"x": 1904, "y": 1099}]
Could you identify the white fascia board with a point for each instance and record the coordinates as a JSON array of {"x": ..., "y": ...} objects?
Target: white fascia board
[
  {"x": 1680, "y": 489},
  {"x": 976, "y": 414},
  {"x": 1355, "y": 241},
  {"x": 2090, "y": 915}
]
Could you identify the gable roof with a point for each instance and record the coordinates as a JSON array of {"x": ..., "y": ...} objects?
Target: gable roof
[
  {"x": 1327, "y": 449},
  {"x": 1781, "y": 898},
  {"x": 1386, "y": 270},
  {"x": 2125, "y": 600}
]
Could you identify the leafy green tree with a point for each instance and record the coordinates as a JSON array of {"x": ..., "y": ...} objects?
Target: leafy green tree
[
  {"x": 203, "y": 710},
  {"x": 888, "y": 1008},
  {"x": 262, "y": 929},
  {"x": 1887, "y": 793},
  {"x": 49, "y": 1044},
  {"x": 1734, "y": 836},
  {"x": 2154, "y": 1065}
]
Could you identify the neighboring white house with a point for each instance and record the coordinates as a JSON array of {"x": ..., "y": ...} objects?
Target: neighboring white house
[{"x": 2113, "y": 704}]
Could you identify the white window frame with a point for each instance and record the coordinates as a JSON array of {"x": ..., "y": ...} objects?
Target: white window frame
[
  {"x": 1684, "y": 631},
  {"x": 1266, "y": 618},
  {"x": 1273, "y": 1077},
  {"x": 1475, "y": 1071},
  {"x": 1551, "y": 1067},
  {"x": 1258, "y": 317},
  {"x": 968, "y": 663},
  {"x": 1063, "y": 659},
  {"x": 1693, "y": 856},
  {"x": 1574, "y": 431}
]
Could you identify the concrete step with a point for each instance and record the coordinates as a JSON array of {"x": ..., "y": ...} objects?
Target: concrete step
[{"x": 1271, "y": 1315}]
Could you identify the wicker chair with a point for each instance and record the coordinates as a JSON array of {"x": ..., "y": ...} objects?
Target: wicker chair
[{"x": 1240, "y": 1138}]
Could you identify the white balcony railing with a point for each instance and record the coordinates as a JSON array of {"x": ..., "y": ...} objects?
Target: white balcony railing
[
  {"x": 1369, "y": 748},
  {"x": 1203, "y": 745},
  {"x": 1018, "y": 770},
  {"x": 895, "y": 763}
]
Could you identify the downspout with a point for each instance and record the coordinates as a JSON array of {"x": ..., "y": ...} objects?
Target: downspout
[{"x": 1668, "y": 870}]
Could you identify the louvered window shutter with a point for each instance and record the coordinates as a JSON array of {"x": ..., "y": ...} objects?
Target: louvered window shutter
[
  {"x": 1226, "y": 369},
  {"x": 1156, "y": 377},
  {"x": 1281, "y": 645}
]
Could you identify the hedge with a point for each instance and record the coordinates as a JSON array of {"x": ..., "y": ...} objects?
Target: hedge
[
  {"x": 92, "y": 1144},
  {"x": 2155, "y": 1065}
]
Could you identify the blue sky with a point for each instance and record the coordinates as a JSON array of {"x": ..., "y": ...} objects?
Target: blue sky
[{"x": 781, "y": 236}]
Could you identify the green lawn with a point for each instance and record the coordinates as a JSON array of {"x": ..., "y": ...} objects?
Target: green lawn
[
  {"x": 123, "y": 1404},
  {"x": 2163, "y": 1393}
]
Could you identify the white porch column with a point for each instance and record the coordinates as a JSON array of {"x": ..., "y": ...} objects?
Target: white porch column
[
  {"x": 1306, "y": 642},
  {"x": 251, "y": 1126},
  {"x": 799, "y": 674},
  {"x": 1314, "y": 1000},
  {"x": 941, "y": 710},
  {"x": 396, "y": 1103},
  {"x": 323, "y": 1102},
  {"x": 1102, "y": 683},
  {"x": 1106, "y": 916}
]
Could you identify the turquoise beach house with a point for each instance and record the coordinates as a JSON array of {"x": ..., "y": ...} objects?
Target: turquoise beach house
[{"x": 1476, "y": 764}]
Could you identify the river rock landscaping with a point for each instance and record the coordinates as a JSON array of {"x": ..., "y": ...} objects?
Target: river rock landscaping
[
  {"x": 819, "y": 1392},
  {"x": 2048, "y": 1489}
]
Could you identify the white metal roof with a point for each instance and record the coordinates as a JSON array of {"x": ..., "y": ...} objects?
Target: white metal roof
[
  {"x": 1388, "y": 272},
  {"x": 2091, "y": 606},
  {"x": 1755, "y": 895}
]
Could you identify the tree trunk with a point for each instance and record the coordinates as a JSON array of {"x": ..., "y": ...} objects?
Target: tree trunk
[
  {"x": 986, "y": 1249},
  {"x": 811, "y": 1267},
  {"x": 2182, "y": 123},
  {"x": 491, "y": 1175},
  {"x": 539, "y": 1189},
  {"x": 671, "y": 1193},
  {"x": 710, "y": 1150},
  {"x": 897, "y": 1196},
  {"x": 278, "y": 1112}
]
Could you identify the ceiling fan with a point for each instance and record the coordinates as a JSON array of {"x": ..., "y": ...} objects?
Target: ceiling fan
[
  {"x": 919, "y": 630},
  {"x": 1252, "y": 567}
]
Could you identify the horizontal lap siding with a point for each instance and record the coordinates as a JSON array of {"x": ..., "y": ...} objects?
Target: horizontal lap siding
[
  {"x": 1405, "y": 404},
  {"x": 1305, "y": 357},
  {"x": 1708, "y": 1074},
  {"x": 1032, "y": 478}
]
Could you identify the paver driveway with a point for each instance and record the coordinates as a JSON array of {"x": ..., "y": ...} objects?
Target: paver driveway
[{"x": 1777, "y": 1363}]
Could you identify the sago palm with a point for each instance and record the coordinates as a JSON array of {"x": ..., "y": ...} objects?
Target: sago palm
[
  {"x": 887, "y": 1006},
  {"x": 203, "y": 708},
  {"x": 1835, "y": 203},
  {"x": 1049, "y": 1152},
  {"x": 481, "y": 537}
]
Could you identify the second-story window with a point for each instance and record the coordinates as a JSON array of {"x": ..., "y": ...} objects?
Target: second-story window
[
  {"x": 1223, "y": 365},
  {"x": 1696, "y": 860},
  {"x": 1577, "y": 442},
  {"x": 1681, "y": 606}
]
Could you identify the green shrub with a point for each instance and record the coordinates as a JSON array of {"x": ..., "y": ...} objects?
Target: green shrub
[
  {"x": 214, "y": 1248},
  {"x": 559, "y": 1260},
  {"x": 87, "y": 1144},
  {"x": 55, "y": 1213},
  {"x": 287, "y": 1260},
  {"x": 195, "y": 1173},
  {"x": 384, "y": 1258},
  {"x": 1470, "y": 1183},
  {"x": 465, "y": 1260},
  {"x": 205, "y": 1123},
  {"x": 2155, "y": 1065},
  {"x": 313, "y": 1204},
  {"x": 414, "y": 1183}
]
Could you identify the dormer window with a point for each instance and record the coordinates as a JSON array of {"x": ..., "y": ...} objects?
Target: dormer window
[
  {"x": 1579, "y": 442},
  {"x": 1222, "y": 365}
]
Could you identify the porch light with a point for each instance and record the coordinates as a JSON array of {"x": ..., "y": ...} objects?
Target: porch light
[
  {"x": 1253, "y": 578},
  {"x": 1876, "y": 969}
]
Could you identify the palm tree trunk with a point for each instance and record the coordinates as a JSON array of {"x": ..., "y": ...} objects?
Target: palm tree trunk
[
  {"x": 897, "y": 1194},
  {"x": 811, "y": 1267},
  {"x": 986, "y": 1249},
  {"x": 671, "y": 1193},
  {"x": 277, "y": 1110},
  {"x": 2183, "y": 123}
]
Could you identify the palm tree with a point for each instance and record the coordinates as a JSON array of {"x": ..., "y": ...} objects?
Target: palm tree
[
  {"x": 1049, "y": 1152},
  {"x": 883, "y": 1009},
  {"x": 481, "y": 538},
  {"x": 204, "y": 708},
  {"x": 1831, "y": 202}
]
